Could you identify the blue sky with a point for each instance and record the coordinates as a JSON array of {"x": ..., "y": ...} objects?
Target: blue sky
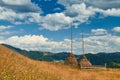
[{"x": 44, "y": 25}]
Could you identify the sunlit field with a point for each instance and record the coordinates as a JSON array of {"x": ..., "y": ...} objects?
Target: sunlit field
[{"x": 14, "y": 66}]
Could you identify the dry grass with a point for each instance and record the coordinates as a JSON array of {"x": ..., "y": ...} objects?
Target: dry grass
[{"x": 14, "y": 66}]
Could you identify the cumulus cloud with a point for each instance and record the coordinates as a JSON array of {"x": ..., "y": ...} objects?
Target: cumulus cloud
[
  {"x": 103, "y": 4},
  {"x": 4, "y": 30},
  {"x": 112, "y": 12},
  {"x": 75, "y": 14},
  {"x": 18, "y": 18},
  {"x": 56, "y": 21},
  {"x": 51, "y": 22},
  {"x": 7, "y": 14},
  {"x": 20, "y": 5},
  {"x": 117, "y": 40},
  {"x": 79, "y": 13},
  {"x": 57, "y": 9},
  {"x": 37, "y": 42},
  {"x": 99, "y": 31},
  {"x": 116, "y": 29},
  {"x": 106, "y": 43},
  {"x": 2, "y": 27},
  {"x": 1, "y": 39},
  {"x": 78, "y": 9},
  {"x": 69, "y": 2},
  {"x": 93, "y": 44},
  {"x": 19, "y": 11},
  {"x": 16, "y": 2},
  {"x": 108, "y": 8}
]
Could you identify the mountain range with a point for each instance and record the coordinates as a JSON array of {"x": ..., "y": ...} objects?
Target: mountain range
[{"x": 111, "y": 59}]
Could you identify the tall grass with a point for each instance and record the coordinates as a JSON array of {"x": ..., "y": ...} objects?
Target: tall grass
[{"x": 14, "y": 66}]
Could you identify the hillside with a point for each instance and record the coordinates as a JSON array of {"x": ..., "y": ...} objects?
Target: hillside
[
  {"x": 112, "y": 59},
  {"x": 14, "y": 66}
]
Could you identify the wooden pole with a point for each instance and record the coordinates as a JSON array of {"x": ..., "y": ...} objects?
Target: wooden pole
[
  {"x": 82, "y": 43},
  {"x": 71, "y": 39}
]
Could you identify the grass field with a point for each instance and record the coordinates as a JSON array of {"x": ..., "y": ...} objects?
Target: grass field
[{"x": 14, "y": 66}]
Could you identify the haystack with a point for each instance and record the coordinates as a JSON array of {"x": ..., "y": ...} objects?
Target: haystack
[
  {"x": 84, "y": 62},
  {"x": 71, "y": 60}
]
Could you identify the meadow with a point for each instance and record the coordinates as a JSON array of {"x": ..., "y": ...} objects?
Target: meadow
[{"x": 14, "y": 66}]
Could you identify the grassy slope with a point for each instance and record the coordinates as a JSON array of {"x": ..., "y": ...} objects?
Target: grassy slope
[{"x": 14, "y": 66}]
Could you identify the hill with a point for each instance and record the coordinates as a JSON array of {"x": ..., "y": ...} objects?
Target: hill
[
  {"x": 14, "y": 66},
  {"x": 111, "y": 59}
]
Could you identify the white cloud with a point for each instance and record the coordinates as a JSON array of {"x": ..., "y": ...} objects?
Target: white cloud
[
  {"x": 79, "y": 13},
  {"x": 57, "y": 9},
  {"x": 37, "y": 42},
  {"x": 69, "y": 2},
  {"x": 93, "y": 44},
  {"x": 112, "y": 12},
  {"x": 99, "y": 31},
  {"x": 51, "y": 22},
  {"x": 20, "y": 5},
  {"x": 4, "y": 30},
  {"x": 16, "y": 2},
  {"x": 80, "y": 9},
  {"x": 117, "y": 40},
  {"x": 87, "y": 8},
  {"x": 7, "y": 14},
  {"x": 116, "y": 29},
  {"x": 107, "y": 12},
  {"x": 1, "y": 39},
  {"x": 106, "y": 43},
  {"x": 18, "y": 18},
  {"x": 103, "y": 4},
  {"x": 5, "y": 27},
  {"x": 57, "y": 21}
]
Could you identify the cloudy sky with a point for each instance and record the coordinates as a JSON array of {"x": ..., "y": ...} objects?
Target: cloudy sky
[{"x": 44, "y": 25}]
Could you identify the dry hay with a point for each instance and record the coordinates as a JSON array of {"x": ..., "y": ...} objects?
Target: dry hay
[
  {"x": 71, "y": 60},
  {"x": 84, "y": 62}
]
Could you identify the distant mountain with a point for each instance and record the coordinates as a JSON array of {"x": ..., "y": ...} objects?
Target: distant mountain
[
  {"x": 40, "y": 55},
  {"x": 111, "y": 59}
]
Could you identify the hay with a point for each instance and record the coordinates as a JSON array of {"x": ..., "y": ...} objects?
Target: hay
[
  {"x": 71, "y": 60},
  {"x": 84, "y": 62}
]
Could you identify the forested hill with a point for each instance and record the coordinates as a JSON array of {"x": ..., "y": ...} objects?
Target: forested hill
[{"x": 111, "y": 59}]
